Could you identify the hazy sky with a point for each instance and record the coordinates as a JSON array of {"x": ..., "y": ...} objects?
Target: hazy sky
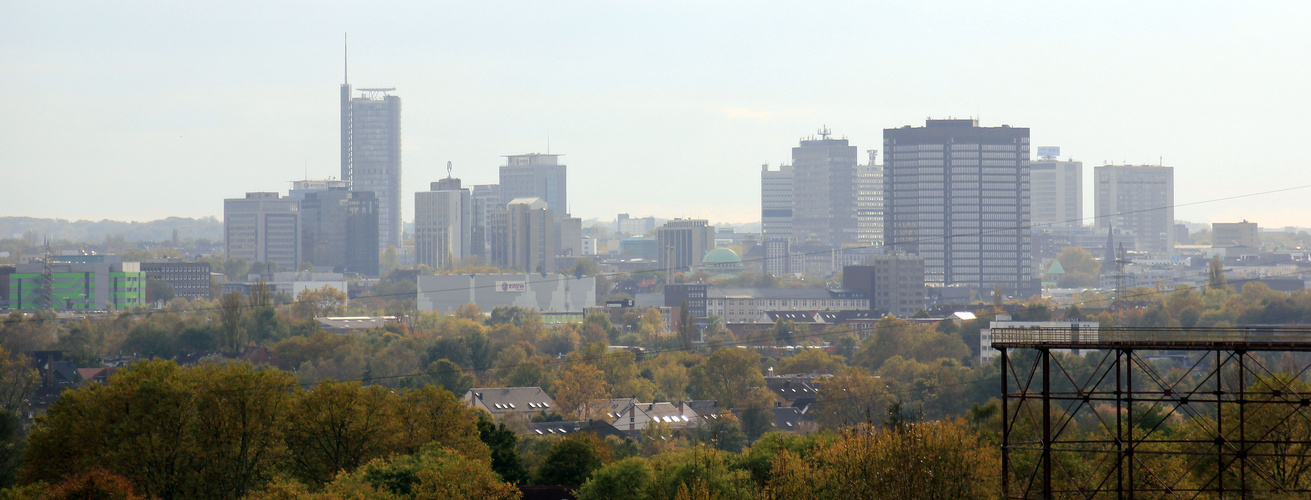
[{"x": 132, "y": 110}]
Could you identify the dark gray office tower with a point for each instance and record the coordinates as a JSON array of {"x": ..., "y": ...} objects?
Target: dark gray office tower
[
  {"x": 341, "y": 230},
  {"x": 371, "y": 154},
  {"x": 824, "y": 189},
  {"x": 958, "y": 195},
  {"x": 535, "y": 175}
]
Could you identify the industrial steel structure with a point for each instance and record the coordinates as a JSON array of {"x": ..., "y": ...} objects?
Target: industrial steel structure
[{"x": 1241, "y": 391}]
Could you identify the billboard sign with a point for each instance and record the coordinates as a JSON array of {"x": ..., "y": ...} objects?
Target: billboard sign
[
  {"x": 511, "y": 286},
  {"x": 1049, "y": 151}
]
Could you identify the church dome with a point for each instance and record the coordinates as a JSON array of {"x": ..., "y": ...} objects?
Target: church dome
[{"x": 721, "y": 256}]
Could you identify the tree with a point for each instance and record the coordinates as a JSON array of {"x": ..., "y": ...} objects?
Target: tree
[
  {"x": 433, "y": 472},
  {"x": 578, "y": 387},
  {"x": 729, "y": 376},
  {"x": 326, "y": 301},
  {"x": 1216, "y": 275},
  {"x": 233, "y": 335},
  {"x": 851, "y": 398},
  {"x": 338, "y": 426},
  {"x": 809, "y": 361},
  {"x": 448, "y": 375},
  {"x": 627, "y": 479},
  {"x": 686, "y": 329},
  {"x": 572, "y": 460},
  {"x": 502, "y": 442},
  {"x": 158, "y": 290},
  {"x": 1080, "y": 268},
  {"x": 17, "y": 380}
]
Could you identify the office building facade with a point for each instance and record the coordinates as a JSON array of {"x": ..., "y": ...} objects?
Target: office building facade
[
  {"x": 340, "y": 230},
  {"x": 681, "y": 243},
  {"x": 957, "y": 195},
  {"x": 442, "y": 224},
  {"x": 371, "y": 154},
  {"x": 535, "y": 175},
  {"x": 869, "y": 203},
  {"x": 894, "y": 283},
  {"x": 1138, "y": 200},
  {"x": 776, "y": 202},
  {"x": 263, "y": 227},
  {"x": 79, "y": 282},
  {"x": 190, "y": 280},
  {"x": 824, "y": 191},
  {"x": 1056, "y": 193},
  {"x": 1235, "y": 234}
]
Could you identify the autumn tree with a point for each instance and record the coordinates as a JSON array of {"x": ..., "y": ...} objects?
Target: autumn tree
[
  {"x": 578, "y": 387},
  {"x": 326, "y": 301},
  {"x": 233, "y": 335},
  {"x": 729, "y": 376},
  {"x": 572, "y": 460},
  {"x": 339, "y": 426}
]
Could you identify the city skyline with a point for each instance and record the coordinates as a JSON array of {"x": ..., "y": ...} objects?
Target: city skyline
[{"x": 100, "y": 108}]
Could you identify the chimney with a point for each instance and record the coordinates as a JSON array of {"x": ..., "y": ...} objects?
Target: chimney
[
  {"x": 680, "y": 407},
  {"x": 632, "y": 414}
]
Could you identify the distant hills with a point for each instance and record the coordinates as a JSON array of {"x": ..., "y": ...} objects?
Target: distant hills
[{"x": 85, "y": 230}]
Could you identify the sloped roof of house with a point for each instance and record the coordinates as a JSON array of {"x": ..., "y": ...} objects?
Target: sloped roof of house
[{"x": 499, "y": 400}]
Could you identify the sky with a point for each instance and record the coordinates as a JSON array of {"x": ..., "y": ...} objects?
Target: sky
[{"x": 144, "y": 110}]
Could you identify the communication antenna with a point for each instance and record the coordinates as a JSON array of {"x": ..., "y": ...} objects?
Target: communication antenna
[
  {"x": 346, "y": 62},
  {"x": 824, "y": 133}
]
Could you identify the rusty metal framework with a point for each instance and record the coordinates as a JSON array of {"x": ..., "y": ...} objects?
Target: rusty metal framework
[{"x": 1102, "y": 433}]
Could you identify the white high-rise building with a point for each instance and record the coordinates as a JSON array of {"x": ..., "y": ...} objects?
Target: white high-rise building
[
  {"x": 1139, "y": 200},
  {"x": 1056, "y": 190},
  {"x": 776, "y": 203},
  {"x": 869, "y": 202},
  {"x": 442, "y": 226}
]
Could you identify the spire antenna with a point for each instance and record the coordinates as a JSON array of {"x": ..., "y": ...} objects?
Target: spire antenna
[{"x": 346, "y": 61}]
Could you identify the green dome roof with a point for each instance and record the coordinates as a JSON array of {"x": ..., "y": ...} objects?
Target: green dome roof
[{"x": 721, "y": 256}]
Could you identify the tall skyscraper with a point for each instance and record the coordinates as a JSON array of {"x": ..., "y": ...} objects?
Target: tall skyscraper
[
  {"x": 486, "y": 199},
  {"x": 1056, "y": 191},
  {"x": 824, "y": 190},
  {"x": 869, "y": 202},
  {"x": 535, "y": 175},
  {"x": 1139, "y": 200},
  {"x": 531, "y": 236},
  {"x": 263, "y": 227},
  {"x": 442, "y": 224},
  {"x": 958, "y": 195},
  {"x": 371, "y": 153},
  {"x": 776, "y": 203}
]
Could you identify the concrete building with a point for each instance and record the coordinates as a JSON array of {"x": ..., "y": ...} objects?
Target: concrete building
[
  {"x": 190, "y": 280},
  {"x": 303, "y": 187},
  {"x": 290, "y": 283},
  {"x": 535, "y": 175},
  {"x": 1235, "y": 234},
  {"x": 1056, "y": 192},
  {"x": 746, "y": 305},
  {"x": 1138, "y": 199},
  {"x": 894, "y": 283},
  {"x": 78, "y": 282},
  {"x": 532, "y": 236},
  {"x": 634, "y": 226},
  {"x": 263, "y": 227},
  {"x": 443, "y": 224},
  {"x": 957, "y": 194},
  {"x": 371, "y": 154},
  {"x": 776, "y": 202},
  {"x": 552, "y": 292},
  {"x": 681, "y": 243},
  {"x": 869, "y": 202},
  {"x": 486, "y": 198},
  {"x": 824, "y": 190},
  {"x": 692, "y": 293},
  {"x": 340, "y": 230}
]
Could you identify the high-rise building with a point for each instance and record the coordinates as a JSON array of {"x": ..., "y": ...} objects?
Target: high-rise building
[
  {"x": 340, "y": 230},
  {"x": 681, "y": 243},
  {"x": 869, "y": 202},
  {"x": 894, "y": 282},
  {"x": 1139, "y": 200},
  {"x": 263, "y": 227},
  {"x": 371, "y": 153},
  {"x": 1056, "y": 191},
  {"x": 532, "y": 236},
  {"x": 442, "y": 224},
  {"x": 486, "y": 198},
  {"x": 535, "y": 175},
  {"x": 776, "y": 202},
  {"x": 957, "y": 194},
  {"x": 824, "y": 190}
]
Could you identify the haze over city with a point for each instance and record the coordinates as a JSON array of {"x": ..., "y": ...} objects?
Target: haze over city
[{"x": 666, "y": 110}]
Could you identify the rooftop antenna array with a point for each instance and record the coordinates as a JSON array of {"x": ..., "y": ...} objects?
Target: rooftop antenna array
[{"x": 824, "y": 133}]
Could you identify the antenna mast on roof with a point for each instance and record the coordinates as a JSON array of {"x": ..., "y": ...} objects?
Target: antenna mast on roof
[
  {"x": 448, "y": 169},
  {"x": 824, "y": 133},
  {"x": 346, "y": 61}
]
